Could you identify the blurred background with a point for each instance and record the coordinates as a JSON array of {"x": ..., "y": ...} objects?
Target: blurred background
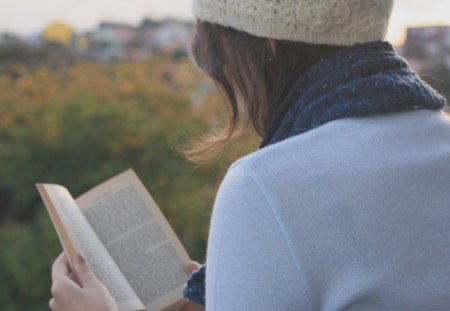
[{"x": 91, "y": 88}]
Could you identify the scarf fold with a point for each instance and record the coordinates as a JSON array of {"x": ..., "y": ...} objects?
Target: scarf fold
[{"x": 361, "y": 80}]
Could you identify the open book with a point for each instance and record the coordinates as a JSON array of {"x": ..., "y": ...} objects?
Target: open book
[{"x": 125, "y": 239}]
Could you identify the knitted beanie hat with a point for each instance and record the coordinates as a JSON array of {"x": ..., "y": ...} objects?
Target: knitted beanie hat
[{"x": 333, "y": 22}]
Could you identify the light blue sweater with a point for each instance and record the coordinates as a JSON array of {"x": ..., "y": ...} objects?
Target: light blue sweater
[{"x": 352, "y": 215}]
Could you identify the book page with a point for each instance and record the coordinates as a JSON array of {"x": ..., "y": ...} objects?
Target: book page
[
  {"x": 77, "y": 236},
  {"x": 138, "y": 238}
]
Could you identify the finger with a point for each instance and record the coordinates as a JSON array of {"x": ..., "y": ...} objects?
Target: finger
[
  {"x": 83, "y": 272},
  {"x": 60, "y": 267},
  {"x": 64, "y": 288},
  {"x": 74, "y": 277},
  {"x": 192, "y": 266},
  {"x": 52, "y": 304}
]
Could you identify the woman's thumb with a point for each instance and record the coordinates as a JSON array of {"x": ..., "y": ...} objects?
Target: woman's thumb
[
  {"x": 84, "y": 273},
  {"x": 192, "y": 266}
]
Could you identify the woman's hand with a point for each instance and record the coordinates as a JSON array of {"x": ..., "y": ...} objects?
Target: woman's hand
[
  {"x": 190, "y": 306},
  {"x": 80, "y": 290}
]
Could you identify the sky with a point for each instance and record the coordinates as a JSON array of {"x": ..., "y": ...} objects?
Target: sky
[{"x": 26, "y": 17}]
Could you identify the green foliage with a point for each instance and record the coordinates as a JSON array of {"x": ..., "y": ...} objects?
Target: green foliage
[
  {"x": 80, "y": 125},
  {"x": 25, "y": 257},
  {"x": 14, "y": 50}
]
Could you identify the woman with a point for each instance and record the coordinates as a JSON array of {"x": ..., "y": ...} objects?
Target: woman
[{"x": 345, "y": 205}]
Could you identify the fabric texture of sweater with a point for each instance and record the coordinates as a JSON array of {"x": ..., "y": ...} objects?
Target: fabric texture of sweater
[{"x": 351, "y": 215}]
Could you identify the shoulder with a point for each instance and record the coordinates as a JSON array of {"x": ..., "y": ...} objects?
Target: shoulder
[
  {"x": 307, "y": 151},
  {"x": 336, "y": 146},
  {"x": 315, "y": 204}
]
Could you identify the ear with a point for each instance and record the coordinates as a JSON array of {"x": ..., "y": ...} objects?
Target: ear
[{"x": 273, "y": 46}]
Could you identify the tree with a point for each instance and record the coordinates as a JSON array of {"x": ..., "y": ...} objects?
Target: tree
[{"x": 58, "y": 32}]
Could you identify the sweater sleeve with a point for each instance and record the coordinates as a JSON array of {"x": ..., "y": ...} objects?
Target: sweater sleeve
[{"x": 249, "y": 264}]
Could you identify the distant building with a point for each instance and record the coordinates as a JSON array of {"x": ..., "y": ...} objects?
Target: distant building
[
  {"x": 437, "y": 35},
  {"x": 167, "y": 35},
  {"x": 173, "y": 33},
  {"x": 120, "y": 42},
  {"x": 117, "y": 42},
  {"x": 428, "y": 51},
  {"x": 115, "y": 34},
  {"x": 428, "y": 47}
]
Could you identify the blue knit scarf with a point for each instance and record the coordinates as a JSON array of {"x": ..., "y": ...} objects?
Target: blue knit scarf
[{"x": 361, "y": 80}]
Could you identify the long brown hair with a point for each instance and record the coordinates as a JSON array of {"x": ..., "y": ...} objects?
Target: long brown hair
[{"x": 253, "y": 76}]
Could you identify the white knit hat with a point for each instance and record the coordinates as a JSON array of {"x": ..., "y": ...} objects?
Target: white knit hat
[{"x": 334, "y": 22}]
